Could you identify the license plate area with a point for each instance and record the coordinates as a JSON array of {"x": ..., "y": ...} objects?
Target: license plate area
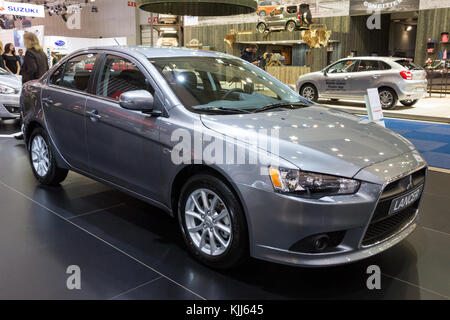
[{"x": 405, "y": 201}]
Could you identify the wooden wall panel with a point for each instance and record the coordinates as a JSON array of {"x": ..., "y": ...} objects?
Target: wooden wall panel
[{"x": 430, "y": 25}]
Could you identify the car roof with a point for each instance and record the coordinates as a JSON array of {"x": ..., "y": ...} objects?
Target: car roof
[
  {"x": 160, "y": 52},
  {"x": 376, "y": 58}
]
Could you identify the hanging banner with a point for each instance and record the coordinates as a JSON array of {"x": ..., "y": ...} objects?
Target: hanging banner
[
  {"x": 434, "y": 4},
  {"x": 22, "y": 9},
  {"x": 359, "y": 7}
]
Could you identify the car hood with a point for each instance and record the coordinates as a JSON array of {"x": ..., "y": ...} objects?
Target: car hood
[
  {"x": 317, "y": 138},
  {"x": 11, "y": 80}
]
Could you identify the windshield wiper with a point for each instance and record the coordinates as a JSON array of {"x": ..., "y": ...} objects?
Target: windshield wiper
[
  {"x": 230, "y": 110},
  {"x": 281, "y": 105}
]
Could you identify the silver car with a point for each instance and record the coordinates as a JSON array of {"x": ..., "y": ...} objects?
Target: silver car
[
  {"x": 397, "y": 79},
  {"x": 10, "y": 88},
  {"x": 246, "y": 165}
]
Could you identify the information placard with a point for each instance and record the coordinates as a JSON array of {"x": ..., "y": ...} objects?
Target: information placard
[{"x": 373, "y": 105}]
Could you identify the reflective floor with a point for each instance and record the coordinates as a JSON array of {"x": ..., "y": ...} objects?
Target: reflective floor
[{"x": 127, "y": 249}]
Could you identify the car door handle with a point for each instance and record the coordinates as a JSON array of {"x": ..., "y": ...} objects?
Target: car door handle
[
  {"x": 376, "y": 76},
  {"x": 94, "y": 115},
  {"x": 48, "y": 100},
  {"x": 347, "y": 77}
]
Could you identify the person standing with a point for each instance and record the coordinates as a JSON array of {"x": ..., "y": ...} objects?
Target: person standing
[
  {"x": 11, "y": 61},
  {"x": 21, "y": 57},
  {"x": 249, "y": 54},
  {"x": 35, "y": 63}
]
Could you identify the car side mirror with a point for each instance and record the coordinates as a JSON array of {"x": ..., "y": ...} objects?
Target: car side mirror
[
  {"x": 325, "y": 72},
  {"x": 138, "y": 100}
]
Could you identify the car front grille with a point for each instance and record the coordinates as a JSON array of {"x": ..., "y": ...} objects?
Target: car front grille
[{"x": 383, "y": 226}]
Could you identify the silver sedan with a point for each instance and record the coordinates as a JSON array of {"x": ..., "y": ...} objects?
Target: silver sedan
[
  {"x": 246, "y": 165},
  {"x": 10, "y": 88},
  {"x": 397, "y": 79}
]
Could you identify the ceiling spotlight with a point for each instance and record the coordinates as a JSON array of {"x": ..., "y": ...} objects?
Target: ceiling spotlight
[{"x": 408, "y": 28}]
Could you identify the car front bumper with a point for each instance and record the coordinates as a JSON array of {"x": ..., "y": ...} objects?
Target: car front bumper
[
  {"x": 10, "y": 106},
  {"x": 280, "y": 226}
]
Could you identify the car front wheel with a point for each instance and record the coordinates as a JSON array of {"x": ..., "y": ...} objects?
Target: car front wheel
[
  {"x": 213, "y": 223},
  {"x": 43, "y": 162},
  {"x": 261, "y": 27},
  {"x": 309, "y": 92}
]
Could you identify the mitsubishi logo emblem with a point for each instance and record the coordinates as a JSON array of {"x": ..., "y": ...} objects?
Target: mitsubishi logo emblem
[{"x": 410, "y": 184}]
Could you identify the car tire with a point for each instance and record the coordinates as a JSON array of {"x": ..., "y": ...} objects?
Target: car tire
[
  {"x": 290, "y": 26},
  {"x": 198, "y": 225},
  {"x": 42, "y": 160},
  {"x": 388, "y": 98},
  {"x": 408, "y": 103},
  {"x": 309, "y": 91},
  {"x": 261, "y": 27}
]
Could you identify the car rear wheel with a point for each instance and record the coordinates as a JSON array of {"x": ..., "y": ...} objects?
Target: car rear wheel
[
  {"x": 408, "y": 103},
  {"x": 388, "y": 98},
  {"x": 290, "y": 26},
  {"x": 309, "y": 91},
  {"x": 212, "y": 222},
  {"x": 261, "y": 27},
  {"x": 43, "y": 162}
]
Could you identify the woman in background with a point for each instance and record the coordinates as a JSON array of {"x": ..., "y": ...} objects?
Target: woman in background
[
  {"x": 10, "y": 59},
  {"x": 35, "y": 63}
]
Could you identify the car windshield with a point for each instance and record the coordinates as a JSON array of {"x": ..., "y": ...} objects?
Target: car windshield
[
  {"x": 205, "y": 84},
  {"x": 408, "y": 64}
]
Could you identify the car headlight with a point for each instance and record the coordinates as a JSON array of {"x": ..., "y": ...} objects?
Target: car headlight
[
  {"x": 7, "y": 90},
  {"x": 310, "y": 184}
]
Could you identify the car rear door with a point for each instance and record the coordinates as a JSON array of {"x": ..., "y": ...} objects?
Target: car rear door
[
  {"x": 64, "y": 103},
  {"x": 369, "y": 74},
  {"x": 123, "y": 144}
]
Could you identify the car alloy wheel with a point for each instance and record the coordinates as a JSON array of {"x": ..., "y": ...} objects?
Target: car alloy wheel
[
  {"x": 261, "y": 28},
  {"x": 208, "y": 222},
  {"x": 309, "y": 93},
  {"x": 290, "y": 26},
  {"x": 40, "y": 156}
]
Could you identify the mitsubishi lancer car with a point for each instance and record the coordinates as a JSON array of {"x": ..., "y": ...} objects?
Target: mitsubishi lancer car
[
  {"x": 246, "y": 165},
  {"x": 397, "y": 79}
]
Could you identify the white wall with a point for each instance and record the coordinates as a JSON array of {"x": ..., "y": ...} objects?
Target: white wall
[{"x": 114, "y": 19}]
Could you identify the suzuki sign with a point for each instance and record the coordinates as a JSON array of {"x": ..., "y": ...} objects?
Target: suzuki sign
[{"x": 22, "y": 9}]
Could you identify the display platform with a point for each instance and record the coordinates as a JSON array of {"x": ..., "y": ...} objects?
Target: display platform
[
  {"x": 432, "y": 108},
  {"x": 127, "y": 249}
]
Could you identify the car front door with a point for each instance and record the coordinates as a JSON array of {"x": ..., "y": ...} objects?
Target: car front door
[
  {"x": 123, "y": 144},
  {"x": 337, "y": 81},
  {"x": 64, "y": 103}
]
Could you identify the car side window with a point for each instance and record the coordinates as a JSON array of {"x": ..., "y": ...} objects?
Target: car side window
[
  {"x": 119, "y": 75},
  {"x": 276, "y": 11},
  {"x": 291, "y": 9},
  {"x": 368, "y": 65},
  {"x": 384, "y": 66},
  {"x": 78, "y": 72},
  {"x": 56, "y": 78},
  {"x": 343, "y": 66}
]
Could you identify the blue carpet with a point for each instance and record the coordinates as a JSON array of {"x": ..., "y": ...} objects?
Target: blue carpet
[{"x": 431, "y": 139}]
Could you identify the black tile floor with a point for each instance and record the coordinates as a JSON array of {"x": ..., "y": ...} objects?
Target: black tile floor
[{"x": 127, "y": 249}]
